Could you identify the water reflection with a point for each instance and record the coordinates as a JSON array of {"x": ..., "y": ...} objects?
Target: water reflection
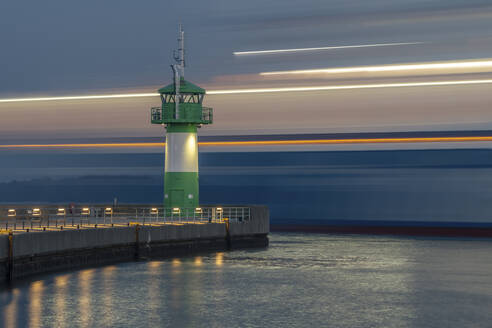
[
  {"x": 154, "y": 269},
  {"x": 61, "y": 288},
  {"x": 176, "y": 263},
  {"x": 219, "y": 259},
  {"x": 194, "y": 294},
  {"x": 85, "y": 284},
  {"x": 175, "y": 284},
  {"x": 108, "y": 274},
  {"x": 218, "y": 281},
  {"x": 10, "y": 311},
  {"x": 35, "y": 305}
]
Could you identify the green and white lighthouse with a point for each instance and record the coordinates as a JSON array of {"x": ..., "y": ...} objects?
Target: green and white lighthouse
[{"x": 182, "y": 114}]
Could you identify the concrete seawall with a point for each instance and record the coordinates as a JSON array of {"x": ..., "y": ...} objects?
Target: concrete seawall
[{"x": 23, "y": 254}]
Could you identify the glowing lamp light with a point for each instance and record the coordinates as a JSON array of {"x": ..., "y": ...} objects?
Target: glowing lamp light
[
  {"x": 176, "y": 210},
  {"x": 61, "y": 211},
  {"x": 36, "y": 212},
  {"x": 108, "y": 211},
  {"x": 12, "y": 212},
  {"x": 154, "y": 211},
  {"x": 85, "y": 211}
]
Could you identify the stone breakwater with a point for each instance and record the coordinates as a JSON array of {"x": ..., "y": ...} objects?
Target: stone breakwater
[{"x": 27, "y": 253}]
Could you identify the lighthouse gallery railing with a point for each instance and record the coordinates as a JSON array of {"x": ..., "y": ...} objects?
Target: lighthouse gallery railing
[{"x": 157, "y": 114}]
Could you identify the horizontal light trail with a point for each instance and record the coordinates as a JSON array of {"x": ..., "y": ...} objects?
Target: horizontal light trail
[
  {"x": 122, "y": 95},
  {"x": 263, "y": 90},
  {"x": 265, "y": 52},
  {"x": 343, "y": 141},
  {"x": 89, "y": 145},
  {"x": 263, "y": 143},
  {"x": 387, "y": 68},
  {"x": 348, "y": 87}
]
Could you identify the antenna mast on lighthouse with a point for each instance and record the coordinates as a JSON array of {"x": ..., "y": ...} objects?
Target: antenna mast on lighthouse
[
  {"x": 180, "y": 56},
  {"x": 178, "y": 68}
]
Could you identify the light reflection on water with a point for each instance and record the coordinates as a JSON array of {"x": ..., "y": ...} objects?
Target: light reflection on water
[
  {"x": 10, "y": 309},
  {"x": 61, "y": 291},
  {"x": 219, "y": 259},
  {"x": 108, "y": 276},
  {"x": 85, "y": 296},
  {"x": 154, "y": 299},
  {"x": 35, "y": 305},
  {"x": 300, "y": 280}
]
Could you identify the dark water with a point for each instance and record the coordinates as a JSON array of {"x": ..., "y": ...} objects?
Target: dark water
[
  {"x": 452, "y": 185},
  {"x": 301, "y": 280}
]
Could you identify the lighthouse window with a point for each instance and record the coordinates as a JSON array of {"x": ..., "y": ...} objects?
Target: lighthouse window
[
  {"x": 190, "y": 98},
  {"x": 194, "y": 99},
  {"x": 183, "y": 98}
]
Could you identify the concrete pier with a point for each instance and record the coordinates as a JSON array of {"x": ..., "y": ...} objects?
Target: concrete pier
[{"x": 33, "y": 252}]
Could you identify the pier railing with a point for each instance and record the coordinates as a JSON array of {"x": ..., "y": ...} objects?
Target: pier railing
[{"x": 35, "y": 218}]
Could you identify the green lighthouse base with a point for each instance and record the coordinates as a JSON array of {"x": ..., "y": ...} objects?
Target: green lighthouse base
[{"x": 181, "y": 190}]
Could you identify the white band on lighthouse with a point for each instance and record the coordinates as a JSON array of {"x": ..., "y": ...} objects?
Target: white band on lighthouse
[{"x": 181, "y": 152}]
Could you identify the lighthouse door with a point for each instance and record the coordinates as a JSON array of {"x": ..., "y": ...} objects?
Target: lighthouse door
[{"x": 177, "y": 197}]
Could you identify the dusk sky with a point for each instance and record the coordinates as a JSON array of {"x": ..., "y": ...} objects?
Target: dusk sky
[{"x": 58, "y": 48}]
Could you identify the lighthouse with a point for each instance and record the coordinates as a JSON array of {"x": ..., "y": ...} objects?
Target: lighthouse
[{"x": 182, "y": 113}]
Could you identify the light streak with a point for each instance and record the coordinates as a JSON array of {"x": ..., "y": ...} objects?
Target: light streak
[
  {"x": 265, "y": 142},
  {"x": 388, "y": 68},
  {"x": 342, "y": 141},
  {"x": 89, "y": 97},
  {"x": 266, "y": 90},
  {"x": 89, "y": 145},
  {"x": 349, "y": 87},
  {"x": 264, "y": 52}
]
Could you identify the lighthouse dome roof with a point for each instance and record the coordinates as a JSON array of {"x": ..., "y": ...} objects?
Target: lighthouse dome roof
[{"x": 184, "y": 87}]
